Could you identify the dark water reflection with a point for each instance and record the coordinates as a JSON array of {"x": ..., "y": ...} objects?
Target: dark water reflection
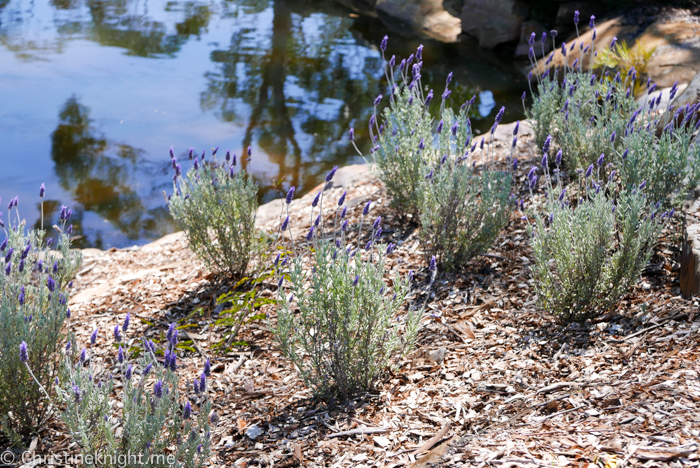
[{"x": 96, "y": 91}]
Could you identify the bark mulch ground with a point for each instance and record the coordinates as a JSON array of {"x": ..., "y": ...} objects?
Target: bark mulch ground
[{"x": 494, "y": 380}]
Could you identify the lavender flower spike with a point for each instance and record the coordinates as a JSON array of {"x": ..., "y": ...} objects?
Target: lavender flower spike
[
  {"x": 377, "y": 222},
  {"x": 365, "y": 210},
  {"x": 117, "y": 335},
  {"x": 351, "y": 134},
  {"x": 125, "y": 327},
  {"x": 330, "y": 175},
  {"x": 290, "y": 195},
  {"x": 382, "y": 45},
  {"x": 557, "y": 158},
  {"x": 546, "y": 144},
  {"x": 158, "y": 389},
  {"x": 42, "y": 191},
  {"x": 93, "y": 337},
  {"x": 316, "y": 198},
  {"x": 600, "y": 160},
  {"x": 356, "y": 280},
  {"x": 23, "y": 354},
  {"x": 589, "y": 171},
  {"x": 341, "y": 200},
  {"x": 433, "y": 263}
]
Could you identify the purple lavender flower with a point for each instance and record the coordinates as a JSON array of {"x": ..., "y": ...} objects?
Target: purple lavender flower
[
  {"x": 316, "y": 199},
  {"x": 429, "y": 97},
  {"x": 83, "y": 356},
  {"x": 544, "y": 161},
  {"x": 23, "y": 354},
  {"x": 546, "y": 144},
  {"x": 576, "y": 15},
  {"x": 127, "y": 374},
  {"x": 158, "y": 389},
  {"x": 642, "y": 185},
  {"x": 515, "y": 164},
  {"x": 557, "y": 158},
  {"x": 77, "y": 394},
  {"x": 117, "y": 335},
  {"x": 390, "y": 248},
  {"x": 591, "y": 23},
  {"x": 202, "y": 383},
  {"x": 51, "y": 284},
  {"x": 600, "y": 160},
  {"x": 285, "y": 224},
  {"x": 613, "y": 42},
  {"x": 318, "y": 220},
  {"x": 533, "y": 182},
  {"x": 612, "y": 137},
  {"x": 562, "y": 194},
  {"x": 344, "y": 226},
  {"x": 120, "y": 355},
  {"x": 377, "y": 222},
  {"x": 21, "y": 296},
  {"x": 365, "y": 210},
  {"x": 392, "y": 62},
  {"x": 146, "y": 370},
  {"x": 170, "y": 333},
  {"x": 330, "y": 175},
  {"x": 589, "y": 171},
  {"x": 625, "y": 154},
  {"x": 356, "y": 280},
  {"x": 310, "y": 235},
  {"x": 530, "y": 55},
  {"x": 563, "y": 49},
  {"x": 93, "y": 337},
  {"x": 42, "y": 191},
  {"x": 125, "y": 327},
  {"x": 68, "y": 314},
  {"x": 187, "y": 411}
]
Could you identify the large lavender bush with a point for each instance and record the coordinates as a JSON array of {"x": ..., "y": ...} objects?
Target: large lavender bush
[
  {"x": 408, "y": 138},
  {"x": 594, "y": 112},
  {"x": 34, "y": 285},
  {"x": 338, "y": 319},
  {"x": 136, "y": 416},
  {"x": 589, "y": 251},
  {"x": 216, "y": 204}
]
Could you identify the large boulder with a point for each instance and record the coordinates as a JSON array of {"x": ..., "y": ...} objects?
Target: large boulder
[
  {"x": 427, "y": 17},
  {"x": 493, "y": 22}
]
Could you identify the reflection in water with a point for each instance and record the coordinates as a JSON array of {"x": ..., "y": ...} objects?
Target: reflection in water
[
  {"x": 287, "y": 77},
  {"x": 100, "y": 174}
]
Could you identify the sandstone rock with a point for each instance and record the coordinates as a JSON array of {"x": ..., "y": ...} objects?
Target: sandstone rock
[
  {"x": 427, "y": 17},
  {"x": 493, "y": 22}
]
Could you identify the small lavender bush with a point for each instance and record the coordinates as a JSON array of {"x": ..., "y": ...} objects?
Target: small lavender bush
[
  {"x": 34, "y": 284},
  {"x": 216, "y": 205},
  {"x": 340, "y": 325},
  {"x": 144, "y": 423},
  {"x": 590, "y": 252},
  {"x": 404, "y": 142},
  {"x": 462, "y": 211}
]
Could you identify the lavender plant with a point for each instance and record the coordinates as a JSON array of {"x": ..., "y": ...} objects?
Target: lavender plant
[
  {"x": 589, "y": 252},
  {"x": 462, "y": 210},
  {"x": 216, "y": 205},
  {"x": 142, "y": 424},
  {"x": 34, "y": 288},
  {"x": 338, "y": 318},
  {"x": 670, "y": 163},
  {"x": 405, "y": 141}
]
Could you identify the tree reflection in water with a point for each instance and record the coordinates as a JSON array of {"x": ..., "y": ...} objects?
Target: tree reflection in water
[{"x": 100, "y": 174}]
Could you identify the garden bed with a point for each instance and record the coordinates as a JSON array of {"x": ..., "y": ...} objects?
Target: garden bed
[{"x": 493, "y": 379}]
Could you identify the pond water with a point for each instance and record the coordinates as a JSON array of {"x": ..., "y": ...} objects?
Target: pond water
[{"x": 94, "y": 92}]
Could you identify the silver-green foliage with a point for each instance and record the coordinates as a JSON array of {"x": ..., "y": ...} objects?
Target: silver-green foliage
[
  {"x": 143, "y": 422},
  {"x": 670, "y": 163},
  {"x": 406, "y": 140},
  {"x": 216, "y": 206},
  {"x": 340, "y": 325},
  {"x": 33, "y": 296},
  {"x": 582, "y": 113},
  {"x": 462, "y": 211},
  {"x": 588, "y": 253}
]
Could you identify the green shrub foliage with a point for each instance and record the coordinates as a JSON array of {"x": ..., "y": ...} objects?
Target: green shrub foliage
[
  {"x": 587, "y": 115},
  {"x": 589, "y": 252},
  {"x": 34, "y": 284},
  {"x": 216, "y": 206},
  {"x": 141, "y": 419},
  {"x": 427, "y": 166},
  {"x": 462, "y": 211},
  {"x": 338, "y": 318}
]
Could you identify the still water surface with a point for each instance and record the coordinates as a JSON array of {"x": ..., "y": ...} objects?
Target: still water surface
[{"x": 94, "y": 92}]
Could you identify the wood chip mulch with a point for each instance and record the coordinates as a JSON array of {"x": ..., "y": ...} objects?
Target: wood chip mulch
[{"x": 493, "y": 381}]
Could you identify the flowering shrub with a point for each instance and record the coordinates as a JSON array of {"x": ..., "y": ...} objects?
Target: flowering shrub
[
  {"x": 34, "y": 283},
  {"x": 462, "y": 211},
  {"x": 216, "y": 206},
  {"x": 670, "y": 163},
  {"x": 590, "y": 252},
  {"x": 589, "y": 114},
  {"x": 404, "y": 141},
  {"x": 423, "y": 166},
  {"x": 339, "y": 326},
  {"x": 146, "y": 425}
]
